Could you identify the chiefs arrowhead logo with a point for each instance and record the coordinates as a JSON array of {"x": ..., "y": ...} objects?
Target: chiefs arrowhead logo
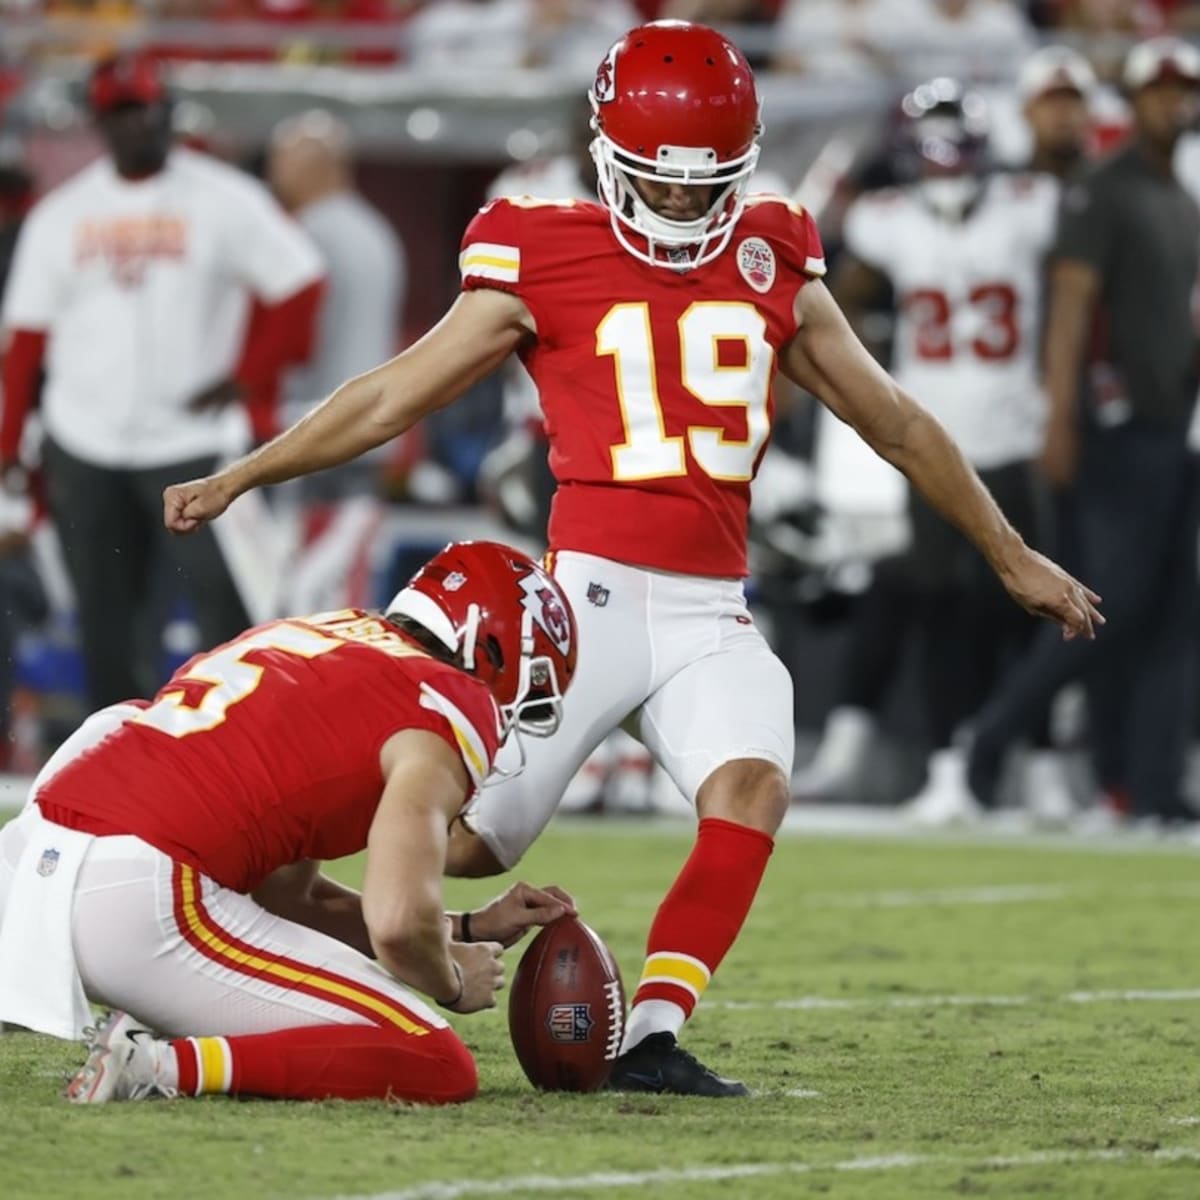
[{"x": 605, "y": 87}]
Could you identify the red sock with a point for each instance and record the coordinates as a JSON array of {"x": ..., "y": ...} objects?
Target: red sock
[
  {"x": 698, "y": 922},
  {"x": 350, "y": 1062}
]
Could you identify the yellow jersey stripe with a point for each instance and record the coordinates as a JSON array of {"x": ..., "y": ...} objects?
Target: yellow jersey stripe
[
  {"x": 488, "y": 260},
  {"x": 478, "y": 767}
]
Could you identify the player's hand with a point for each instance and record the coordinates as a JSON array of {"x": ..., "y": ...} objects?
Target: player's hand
[
  {"x": 1043, "y": 588},
  {"x": 482, "y": 975},
  {"x": 186, "y": 506},
  {"x": 220, "y": 395},
  {"x": 509, "y": 917},
  {"x": 1059, "y": 460}
]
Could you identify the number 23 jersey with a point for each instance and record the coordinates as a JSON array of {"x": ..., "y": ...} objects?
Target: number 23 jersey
[
  {"x": 968, "y": 299},
  {"x": 655, "y": 384}
]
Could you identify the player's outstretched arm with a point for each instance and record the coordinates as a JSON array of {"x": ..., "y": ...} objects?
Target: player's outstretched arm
[
  {"x": 828, "y": 360},
  {"x": 481, "y": 329},
  {"x": 426, "y": 785}
]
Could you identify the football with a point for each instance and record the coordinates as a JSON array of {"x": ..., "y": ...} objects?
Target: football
[{"x": 566, "y": 1009}]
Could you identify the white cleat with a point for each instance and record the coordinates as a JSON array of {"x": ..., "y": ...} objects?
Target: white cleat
[
  {"x": 122, "y": 1063},
  {"x": 945, "y": 799},
  {"x": 1048, "y": 798},
  {"x": 837, "y": 765}
]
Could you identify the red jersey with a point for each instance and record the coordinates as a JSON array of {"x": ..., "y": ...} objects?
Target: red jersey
[
  {"x": 655, "y": 385},
  {"x": 265, "y": 751}
]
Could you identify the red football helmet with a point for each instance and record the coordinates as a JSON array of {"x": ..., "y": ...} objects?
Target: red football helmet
[
  {"x": 676, "y": 102},
  {"x": 503, "y": 619}
]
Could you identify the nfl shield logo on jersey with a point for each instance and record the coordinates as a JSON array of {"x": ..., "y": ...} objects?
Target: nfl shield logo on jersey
[
  {"x": 48, "y": 863},
  {"x": 756, "y": 261},
  {"x": 570, "y": 1022},
  {"x": 597, "y": 594}
]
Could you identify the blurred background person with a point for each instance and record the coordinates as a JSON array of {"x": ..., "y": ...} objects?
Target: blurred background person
[
  {"x": 844, "y": 38},
  {"x": 970, "y": 38},
  {"x": 334, "y": 517},
  {"x": 1055, "y": 85},
  {"x": 131, "y": 286},
  {"x": 961, "y": 249},
  {"x": 568, "y": 35},
  {"x": 1121, "y": 372},
  {"x": 23, "y": 602}
]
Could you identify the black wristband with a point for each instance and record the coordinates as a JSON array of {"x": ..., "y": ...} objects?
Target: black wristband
[
  {"x": 464, "y": 928},
  {"x": 461, "y": 988}
]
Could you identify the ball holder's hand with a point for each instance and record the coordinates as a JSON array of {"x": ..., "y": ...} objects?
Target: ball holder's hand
[
  {"x": 482, "y": 974},
  {"x": 509, "y": 917}
]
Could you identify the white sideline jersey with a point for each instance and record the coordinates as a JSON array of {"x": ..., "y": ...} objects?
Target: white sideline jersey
[
  {"x": 143, "y": 289},
  {"x": 968, "y": 307}
]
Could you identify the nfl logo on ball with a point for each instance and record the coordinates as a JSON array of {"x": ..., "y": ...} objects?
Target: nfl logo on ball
[{"x": 570, "y": 1022}]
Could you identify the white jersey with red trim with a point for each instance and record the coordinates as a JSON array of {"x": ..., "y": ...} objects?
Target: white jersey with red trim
[
  {"x": 143, "y": 289},
  {"x": 969, "y": 307}
]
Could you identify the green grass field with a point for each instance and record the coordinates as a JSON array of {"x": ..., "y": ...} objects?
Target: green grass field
[{"x": 918, "y": 1019}]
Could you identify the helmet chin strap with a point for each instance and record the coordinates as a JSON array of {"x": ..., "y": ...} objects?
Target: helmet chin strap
[{"x": 470, "y": 637}]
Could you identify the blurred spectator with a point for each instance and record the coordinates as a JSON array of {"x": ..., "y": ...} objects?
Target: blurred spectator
[
  {"x": 337, "y": 513},
  {"x": 22, "y": 598},
  {"x": 133, "y": 280},
  {"x": 962, "y": 249},
  {"x": 1055, "y": 85},
  {"x": 844, "y": 38},
  {"x": 498, "y": 34},
  {"x": 310, "y": 168},
  {"x": 1103, "y": 29},
  {"x": 714, "y": 12},
  {"x": 969, "y": 38},
  {"x": 1121, "y": 374}
]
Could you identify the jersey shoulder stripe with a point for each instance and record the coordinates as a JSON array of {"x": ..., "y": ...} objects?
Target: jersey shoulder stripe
[
  {"x": 471, "y": 746},
  {"x": 491, "y": 260}
]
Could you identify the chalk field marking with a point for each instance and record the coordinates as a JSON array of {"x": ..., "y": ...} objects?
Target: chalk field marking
[
  {"x": 959, "y": 897},
  {"x": 460, "y": 1189},
  {"x": 1185, "y": 1121},
  {"x": 838, "y": 1003}
]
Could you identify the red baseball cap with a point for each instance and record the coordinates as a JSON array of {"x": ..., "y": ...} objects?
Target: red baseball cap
[{"x": 125, "y": 79}]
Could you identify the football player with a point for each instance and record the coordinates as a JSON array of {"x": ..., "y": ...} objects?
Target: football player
[
  {"x": 653, "y": 324},
  {"x": 168, "y": 862},
  {"x": 962, "y": 250}
]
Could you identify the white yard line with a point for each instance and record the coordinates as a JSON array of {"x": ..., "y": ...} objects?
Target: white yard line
[
  {"x": 837, "y": 1003},
  {"x": 460, "y": 1189},
  {"x": 955, "y": 897}
]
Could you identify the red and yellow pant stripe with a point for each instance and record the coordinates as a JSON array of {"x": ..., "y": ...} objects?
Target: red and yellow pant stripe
[{"x": 201, "y": 931}]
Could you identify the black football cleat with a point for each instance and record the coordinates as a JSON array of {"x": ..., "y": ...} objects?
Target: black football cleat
[{"x": 659, "y": 1064}]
